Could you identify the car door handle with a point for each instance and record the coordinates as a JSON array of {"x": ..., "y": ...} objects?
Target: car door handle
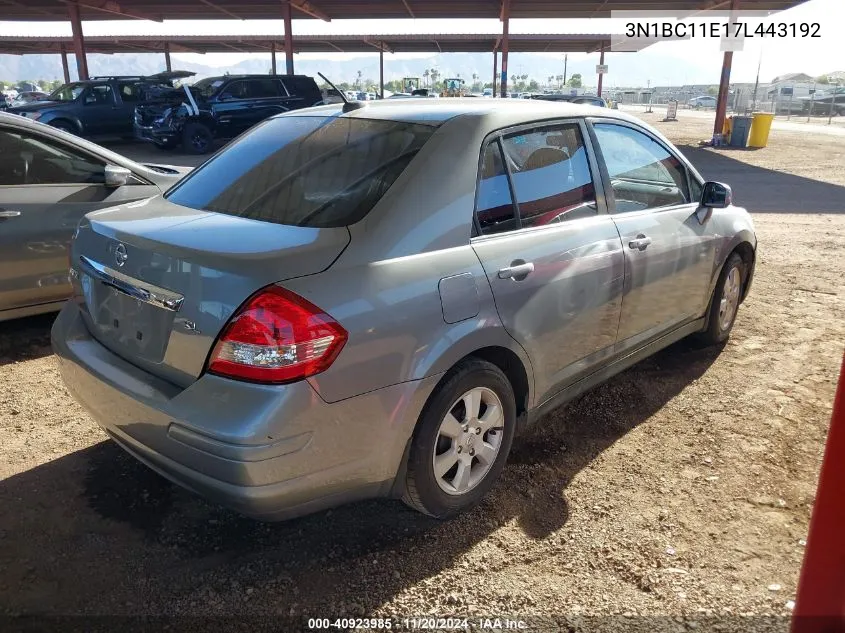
[
  {"x": 640, "y": 243},
  {"x": 517, "y": 271},
  {"x": 8, "y": 213}
]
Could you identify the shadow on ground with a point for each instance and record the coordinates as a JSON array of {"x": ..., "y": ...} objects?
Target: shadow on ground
[
  {"x": 97, "y": 532},
  {"x": 766, "y": 190},
  {"x": 25, "y": 339}
]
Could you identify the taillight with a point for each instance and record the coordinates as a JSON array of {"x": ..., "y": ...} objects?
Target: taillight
[{"x": 277, "y": 336}]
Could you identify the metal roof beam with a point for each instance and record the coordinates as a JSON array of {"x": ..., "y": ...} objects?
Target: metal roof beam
[
  {"x": 110, "y": 6},
  {"x": 408, "y": 9},
  {"x": 379, "y": 45},
  {"x": 216, "y": 7},
  {"x": 309, "y": 9},
  {"x": 13, "y": 3},
  {"x": 333, "y": 45}
]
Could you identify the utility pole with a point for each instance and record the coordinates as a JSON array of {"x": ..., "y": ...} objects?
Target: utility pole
[
  {"x": 565, "y": 62},
  {"x": 757, "y": 80}
]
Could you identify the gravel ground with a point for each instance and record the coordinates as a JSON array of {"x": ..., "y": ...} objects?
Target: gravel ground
[{"x": 680, "y": 489}]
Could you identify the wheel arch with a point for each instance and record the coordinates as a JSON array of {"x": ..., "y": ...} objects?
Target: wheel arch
[
  {"x": 73, "y": 122},
  {"x": 513, "y": 365}
]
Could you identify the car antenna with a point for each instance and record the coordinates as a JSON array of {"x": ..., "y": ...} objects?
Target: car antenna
[{"x": 348, "y": 106}]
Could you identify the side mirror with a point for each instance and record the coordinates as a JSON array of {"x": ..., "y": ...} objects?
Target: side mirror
[
  {"x": 116, "y": 176},
  {"x": 716, "y": 195}
]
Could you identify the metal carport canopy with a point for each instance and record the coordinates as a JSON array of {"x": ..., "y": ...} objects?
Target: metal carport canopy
[
  {"x": 57, "y": 10},
  {"x": 428, "y": 43}
]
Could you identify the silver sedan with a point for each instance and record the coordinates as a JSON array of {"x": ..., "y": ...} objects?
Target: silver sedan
[
  {"x": 372, "y": 299},
  {"x": 48, "y": 180}
]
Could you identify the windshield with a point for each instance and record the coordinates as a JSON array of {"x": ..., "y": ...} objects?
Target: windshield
[
  {"x": 207, "y": 87},
  {"x": 68, "y": 92},
  {"x": 305, "y": 171}
]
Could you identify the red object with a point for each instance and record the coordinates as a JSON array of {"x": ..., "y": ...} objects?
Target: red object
[
  {"x": 277, "y": 336},
  {"x": 820, "y": 607}
]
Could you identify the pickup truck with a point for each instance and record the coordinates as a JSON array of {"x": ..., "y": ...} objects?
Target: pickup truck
[
  {"x": 101, "y": 106},
  {"x": 219, "y": 108}
]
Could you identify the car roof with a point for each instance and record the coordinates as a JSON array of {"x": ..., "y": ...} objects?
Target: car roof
[
  {"x": 499, "y": 112},
  {"x": 257, "y": 77}
]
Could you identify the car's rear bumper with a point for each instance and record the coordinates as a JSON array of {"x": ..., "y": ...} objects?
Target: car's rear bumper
[{"x": 270, "y": 452}]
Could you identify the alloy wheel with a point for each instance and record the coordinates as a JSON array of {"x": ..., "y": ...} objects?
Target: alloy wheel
[
  {"x": 468, "y": 441},
  {"x": 730, "y": 298}
]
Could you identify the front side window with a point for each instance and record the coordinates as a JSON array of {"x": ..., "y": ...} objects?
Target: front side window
[
  {"x": 643, "y": 174},
  {"x": 31, "y": 160},
  {"x": 235, "y": 90},
  {"x": 206, "y": 88},
  {"x": 264, "y": 88},
  {"x": 100, "y": 94},
  {"x": 68, "y": 92},
  {"x": 305, "y": 171},
  {"x": 550, "y": 174}
]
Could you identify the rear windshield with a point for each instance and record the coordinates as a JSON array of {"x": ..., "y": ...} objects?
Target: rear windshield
[{"x": 305, "y": 171}]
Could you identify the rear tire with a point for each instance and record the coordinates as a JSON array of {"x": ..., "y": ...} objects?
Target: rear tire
[
  {"x": 724, "y": 305},
  {"x": 197, "y": 139},
  {"x": 462, "y": 441}
]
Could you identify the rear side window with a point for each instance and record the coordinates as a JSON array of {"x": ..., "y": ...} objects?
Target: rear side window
[
  {"x": 130, "y": 92},
  {"x": 305, "y": 171},
  {"x": 551, "y": 176},
  {"x": 494, "y": 204}
]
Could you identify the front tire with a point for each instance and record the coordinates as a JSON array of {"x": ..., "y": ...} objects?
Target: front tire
[
  {"x": 725, "y": 302},
  {"x": 462, "y": 441},
  {"x": 64, "y": 126},
  {"x": 197, "y": 138}
]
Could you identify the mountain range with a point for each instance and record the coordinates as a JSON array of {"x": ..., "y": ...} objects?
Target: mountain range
[{"x": 625, "y": 69}]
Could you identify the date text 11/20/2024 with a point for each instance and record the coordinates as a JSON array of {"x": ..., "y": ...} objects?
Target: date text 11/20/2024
[{"x": 417, "y": 624}]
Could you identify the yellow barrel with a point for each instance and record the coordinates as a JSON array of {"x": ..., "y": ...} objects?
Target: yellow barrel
[
  {"x": 760, "y": 127},
  {"x": 727, "y": 126}
]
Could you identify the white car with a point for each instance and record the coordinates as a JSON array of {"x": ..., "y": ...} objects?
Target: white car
[{"x": 704, "y": 101}]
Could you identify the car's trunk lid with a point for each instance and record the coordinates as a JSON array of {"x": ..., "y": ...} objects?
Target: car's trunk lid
[{"x": 158, "y": 282}]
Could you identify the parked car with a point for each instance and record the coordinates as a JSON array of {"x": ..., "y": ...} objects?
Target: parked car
[
  {"x": 825, "y": 104},
  {"x": 305, "y": 320},
  {"x": 705, "y": 101},
  {"x": 101, "y": 106},
  {"x": 579, "y": 99},
  {"x": 219, "y": 108},
  {"x": 24, "y": 98},
  {"x": 48, "y": 180}
]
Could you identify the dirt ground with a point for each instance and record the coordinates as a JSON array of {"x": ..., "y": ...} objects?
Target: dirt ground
[{"x": 680, "y": 489}]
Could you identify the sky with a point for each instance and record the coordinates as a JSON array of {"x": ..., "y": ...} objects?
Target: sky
[{"x": 776, "y": 56}]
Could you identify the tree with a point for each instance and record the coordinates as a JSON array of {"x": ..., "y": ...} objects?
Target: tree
[
  {"x": 824, "y": 79},
  {"x": 533, "y": 85},
  {"x": 551, "y": 79},
  {"x": 358, "y": 80},
  {"x": 426, "y": 75},
  {"x": 575, "y": 81}
]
